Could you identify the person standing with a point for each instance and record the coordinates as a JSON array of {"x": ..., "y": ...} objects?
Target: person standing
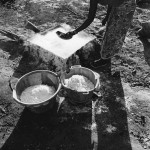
[{"x": 120, "y": 14}]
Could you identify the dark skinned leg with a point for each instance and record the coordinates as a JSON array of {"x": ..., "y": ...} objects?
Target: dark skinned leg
[{"x": 107, "y": 15}]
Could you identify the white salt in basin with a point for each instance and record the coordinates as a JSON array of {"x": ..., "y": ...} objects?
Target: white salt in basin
[
  {"x": 79, "y": 83},
  {"x": 37, "y": 94}
]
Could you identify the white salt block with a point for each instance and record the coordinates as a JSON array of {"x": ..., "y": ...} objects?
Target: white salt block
[{"x": 51, "y": 42}]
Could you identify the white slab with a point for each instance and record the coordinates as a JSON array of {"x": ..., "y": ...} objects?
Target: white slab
[{"x": 60, "y": 47}]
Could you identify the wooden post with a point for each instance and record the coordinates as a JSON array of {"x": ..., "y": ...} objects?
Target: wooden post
[{"x": 117, "y": 26}]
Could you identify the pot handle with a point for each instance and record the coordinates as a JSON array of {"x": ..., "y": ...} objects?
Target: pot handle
[
  {"x": 86, "y": 93},
  {"x": 97, "y": 76},
  {"x": 98, "y": 94},
  {"x": 75, "y": 66},
  {"x": 14, "y": 94},
  {"x": 97, "y": 86}
]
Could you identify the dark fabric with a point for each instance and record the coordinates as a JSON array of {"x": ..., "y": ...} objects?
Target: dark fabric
[
  {"x": 114, "y": 3},
  {"x": 118, "y": 24},
  {"x": 7, "y": 1}
]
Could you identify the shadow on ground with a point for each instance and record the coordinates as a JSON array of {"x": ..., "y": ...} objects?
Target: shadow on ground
[
  {"x": 111, "y": 116},
  {"x": 60, "y": 131},
  {"x": 72, "y": 131},
  {"x": 48, "y": 132}
]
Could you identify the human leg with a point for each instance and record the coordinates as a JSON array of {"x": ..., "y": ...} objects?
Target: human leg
[
  {"x": 117, "y": 26},
  {"x": 118, "y": 23}
]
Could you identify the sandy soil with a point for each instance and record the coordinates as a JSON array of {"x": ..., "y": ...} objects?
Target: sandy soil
[{"x": 122, "y": 116}]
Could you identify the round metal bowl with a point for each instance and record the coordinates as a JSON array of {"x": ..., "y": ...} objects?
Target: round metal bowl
[
  {"x": 77, "y": 97},
  {"x": 37, "y": 77}
]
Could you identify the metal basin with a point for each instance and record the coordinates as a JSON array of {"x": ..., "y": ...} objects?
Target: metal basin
[
  {"x": 77, "y": 97},
  {"x": 37, "y": 77}
]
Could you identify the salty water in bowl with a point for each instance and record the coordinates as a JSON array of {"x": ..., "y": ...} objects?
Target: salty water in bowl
[{"x": 37, "y": 94}]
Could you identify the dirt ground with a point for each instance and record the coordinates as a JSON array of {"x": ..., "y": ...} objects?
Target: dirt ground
[{"x": 120, "y": 120}]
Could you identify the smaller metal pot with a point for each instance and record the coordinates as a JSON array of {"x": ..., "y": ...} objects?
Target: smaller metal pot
[{"x": 77, "y": 97}]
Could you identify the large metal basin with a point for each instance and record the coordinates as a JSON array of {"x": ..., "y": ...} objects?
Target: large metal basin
[{"x": 37, "y": 77}]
